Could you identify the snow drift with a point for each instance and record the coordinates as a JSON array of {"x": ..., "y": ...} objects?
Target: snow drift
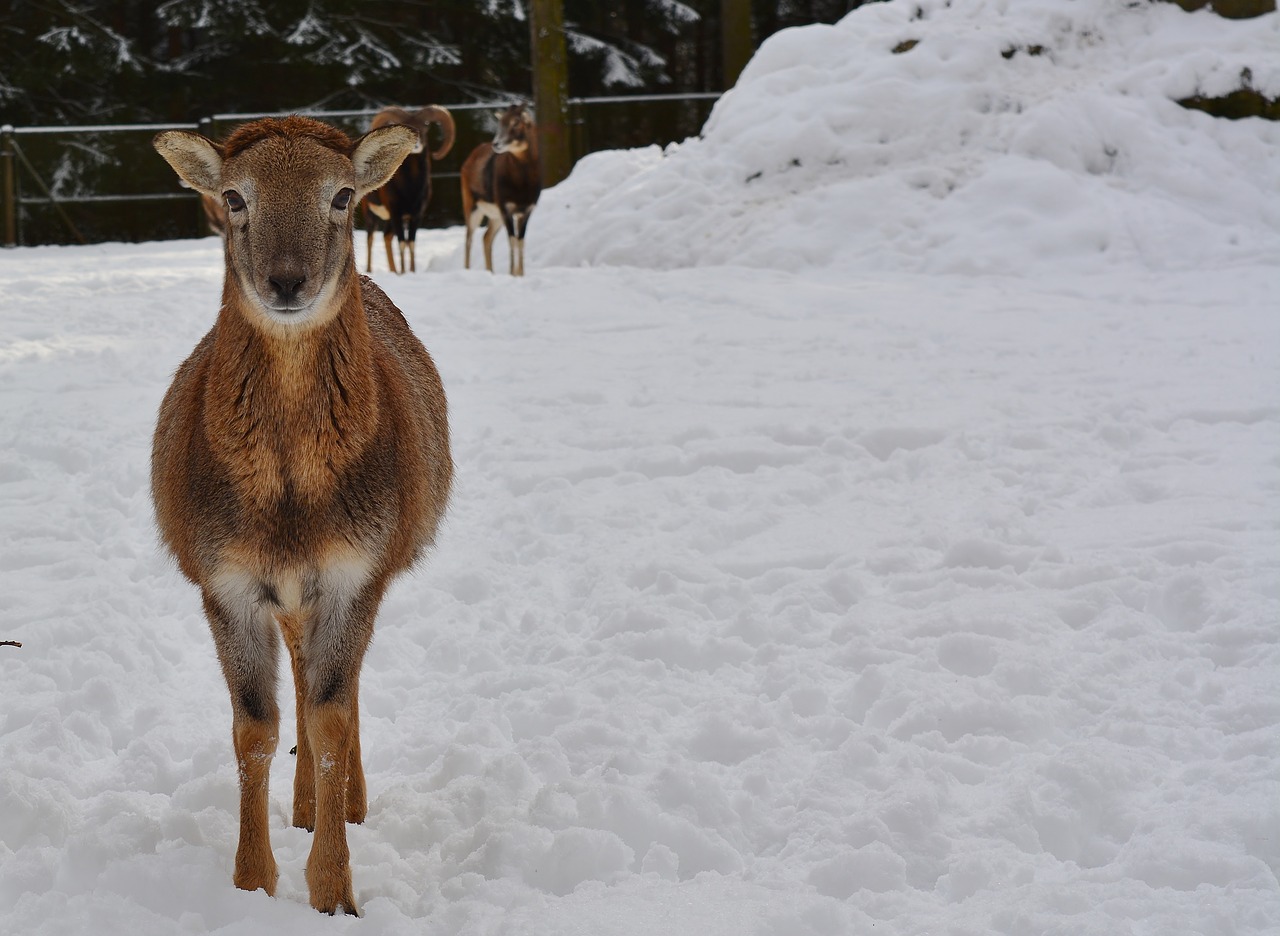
[{"x": 954, "y": 137}]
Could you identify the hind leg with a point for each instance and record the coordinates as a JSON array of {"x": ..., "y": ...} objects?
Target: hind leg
[
  {"x": 387, "y": 235},
  {"x": 304, "y": 775}
]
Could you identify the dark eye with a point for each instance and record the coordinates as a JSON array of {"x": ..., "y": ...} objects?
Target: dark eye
[
  {"x": 342, "y": 199},
  {"x": 234, "y": 201}
]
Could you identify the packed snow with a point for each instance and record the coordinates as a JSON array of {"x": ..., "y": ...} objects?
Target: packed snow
[
  {"x": 949, "y": 157},
  {"x": 882, "y": 544}
]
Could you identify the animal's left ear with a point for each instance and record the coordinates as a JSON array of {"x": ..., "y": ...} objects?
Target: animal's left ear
[{"x": 378, "y": 154}]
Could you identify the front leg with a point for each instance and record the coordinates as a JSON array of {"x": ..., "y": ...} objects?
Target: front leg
[
  {"x": 334, "y": 648},
  {"x": 509, "y": 221},
  {"x": 522, "y": 224},
  {"x": 329, "y": 864},
  {"x": 490, "y": 232},
  {"x": 357, "y": 795},
  {"x": 248, "y": 651}
]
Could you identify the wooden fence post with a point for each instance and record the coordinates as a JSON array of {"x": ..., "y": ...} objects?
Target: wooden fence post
[
  {"x": 735, "y": 34},
  {"x": 550, "y": 88},
  {"x": 10, "y": 187}
]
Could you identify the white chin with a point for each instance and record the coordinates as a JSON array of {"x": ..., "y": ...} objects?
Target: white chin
[
  {"x": 290, "y": 317},
  {"x": 295, "y": 317}
]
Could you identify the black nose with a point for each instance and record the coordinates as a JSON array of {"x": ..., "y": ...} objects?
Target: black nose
[{"x": 286, "y": 285}]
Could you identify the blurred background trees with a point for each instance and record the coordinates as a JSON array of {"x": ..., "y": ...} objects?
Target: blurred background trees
[
  {"x": 101, "y": 65},
  {"x": 118, "y": 61}
]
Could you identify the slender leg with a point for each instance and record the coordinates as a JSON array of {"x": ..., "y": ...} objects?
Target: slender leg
[
  {"x": 410, "y": 240},
  {"x": 304, "y": 773},
  {"x": 334, "y": 648},
  {"x": 521, "y": 226},
  {"x": 248, "y": 650},
  {"x": 387, "y": 235},
  {"x": 357, "y": 795},
  {"x": 329, "y": 864},
  {"x": 368, "y": 252},
  {"x": 509, "y": 221},
  {"x": 490, "y": 232},
  {"x": 470, "y": 217},
  {"x": 474, "y": 220}
]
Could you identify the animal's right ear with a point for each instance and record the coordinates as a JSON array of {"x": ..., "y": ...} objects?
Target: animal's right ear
[
  {"x": 196, "y": 160},
  {"x": 378, "y": 154}
]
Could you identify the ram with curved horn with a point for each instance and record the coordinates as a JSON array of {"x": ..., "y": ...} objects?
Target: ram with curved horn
[{"x": 398, "y": 206}]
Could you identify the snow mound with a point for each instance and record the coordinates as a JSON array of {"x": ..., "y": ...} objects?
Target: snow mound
[{"x": 937, "y": 137}]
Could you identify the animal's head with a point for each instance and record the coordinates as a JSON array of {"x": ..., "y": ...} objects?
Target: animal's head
[
  {"x": 516, "y": 131},
  {"x": 421, "y": 121},
  {"x": 289, "y": 187}
]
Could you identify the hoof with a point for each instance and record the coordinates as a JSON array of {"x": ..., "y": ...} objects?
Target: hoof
[
  {"x": 257, "y": 875},
  {"x": 346, "y": 905},
  {"x": 357, "y": 807},
  {"x": 330, "y": 892},
  {"x": 340, "y": 908}
]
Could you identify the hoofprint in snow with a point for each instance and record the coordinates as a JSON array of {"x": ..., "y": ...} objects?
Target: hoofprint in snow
[{"x": 849, "y": 589}]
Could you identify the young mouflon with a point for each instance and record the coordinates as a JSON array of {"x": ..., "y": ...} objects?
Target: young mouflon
[{"x": 300, "y": 462}]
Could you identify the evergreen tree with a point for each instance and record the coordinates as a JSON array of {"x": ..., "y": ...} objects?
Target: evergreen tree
[
  {"x": 92, "y": 61},
  {"x": 621, "y": 45},
  {"x": 63, "y": 61}
]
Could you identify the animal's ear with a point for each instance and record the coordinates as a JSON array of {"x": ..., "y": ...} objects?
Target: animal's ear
[
  {"x": 196, "y": 160},
  {"x": 378, "y": 154}
]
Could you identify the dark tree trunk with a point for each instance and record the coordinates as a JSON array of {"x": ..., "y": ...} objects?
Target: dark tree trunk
[
  {"x": 550, "y": 88},
  {"x": 735, "y": 29}
]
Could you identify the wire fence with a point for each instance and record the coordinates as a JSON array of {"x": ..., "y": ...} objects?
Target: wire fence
[{"x": 89, "y": 184}]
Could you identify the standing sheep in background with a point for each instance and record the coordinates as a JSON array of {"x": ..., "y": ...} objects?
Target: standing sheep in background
[
  {"x": 399, "y": 205},
  {"x": 300, "y": 462},
  {"x": 501, "y": 183}
]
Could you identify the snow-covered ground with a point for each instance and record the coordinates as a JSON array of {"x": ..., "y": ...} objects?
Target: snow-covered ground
[{"x": 872, "y": 587}]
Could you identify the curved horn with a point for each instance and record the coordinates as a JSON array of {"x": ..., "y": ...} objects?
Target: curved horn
[
  {"x": 391, "y": 115},
  {"x": 441, "y": 116}
]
